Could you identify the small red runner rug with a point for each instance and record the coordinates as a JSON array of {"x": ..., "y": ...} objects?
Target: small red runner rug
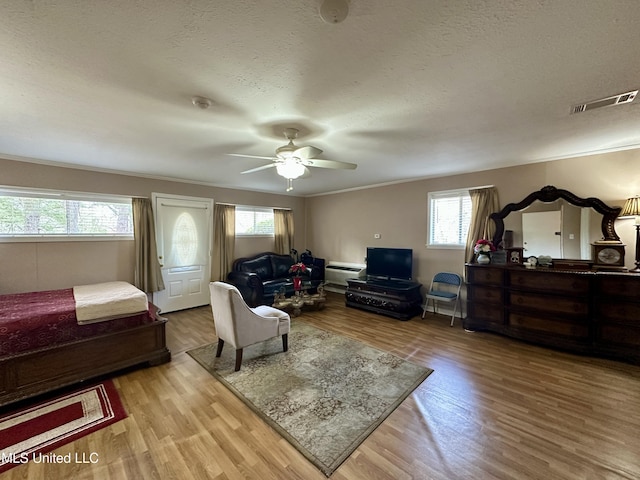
[{"x": 32, "y": 432}]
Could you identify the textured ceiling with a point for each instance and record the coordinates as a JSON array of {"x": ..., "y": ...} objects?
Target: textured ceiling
[{"x": 404, "y": 88}]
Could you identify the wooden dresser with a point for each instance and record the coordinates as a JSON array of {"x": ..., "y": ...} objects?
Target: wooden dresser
[{"x": 596, "y": 313}]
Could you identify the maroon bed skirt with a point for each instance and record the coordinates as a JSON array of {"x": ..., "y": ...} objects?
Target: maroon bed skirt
[{"x": 34, "y": 320}]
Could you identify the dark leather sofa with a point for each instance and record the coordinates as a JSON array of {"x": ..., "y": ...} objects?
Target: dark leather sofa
[{"x": 260, "y": 277}]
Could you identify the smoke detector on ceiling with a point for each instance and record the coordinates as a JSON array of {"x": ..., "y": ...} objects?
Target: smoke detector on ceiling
[
  {"x": 334, "y": 11},
  {"x": 619, "y": 99}
]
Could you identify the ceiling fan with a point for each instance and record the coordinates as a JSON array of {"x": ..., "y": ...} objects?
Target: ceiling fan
[{"x": 292, "y": 161}]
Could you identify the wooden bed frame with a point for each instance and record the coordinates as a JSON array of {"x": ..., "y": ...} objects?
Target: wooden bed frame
[{"x": 39, "y": 371}]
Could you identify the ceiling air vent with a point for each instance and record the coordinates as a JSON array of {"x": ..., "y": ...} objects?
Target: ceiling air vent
[{"x": 627, "y": 97}]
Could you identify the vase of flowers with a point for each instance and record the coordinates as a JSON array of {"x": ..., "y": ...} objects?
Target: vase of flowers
[
  {"x": 298, "y": 269},
  {"x": 483, "y": 249}
]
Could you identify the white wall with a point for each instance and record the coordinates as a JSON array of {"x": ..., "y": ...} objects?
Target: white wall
[
  {"x": 341, "y": 226},
  {"x": 51, "y": 265},
  {"x": 334, "y": 227}
]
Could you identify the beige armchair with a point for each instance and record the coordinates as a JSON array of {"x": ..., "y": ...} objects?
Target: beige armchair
[{"x": 240, "y": 325}]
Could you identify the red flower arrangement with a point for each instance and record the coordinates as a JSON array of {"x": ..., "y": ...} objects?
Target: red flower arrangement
[
  {"x": 484, "y": 246},
  {"x": 298, "y": 268}
]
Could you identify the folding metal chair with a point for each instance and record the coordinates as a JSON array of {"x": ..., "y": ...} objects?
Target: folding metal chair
[{"x": 445, "y": 287}]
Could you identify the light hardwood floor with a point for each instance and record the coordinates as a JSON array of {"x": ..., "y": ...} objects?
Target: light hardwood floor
[{"x": 494, "y": 408}]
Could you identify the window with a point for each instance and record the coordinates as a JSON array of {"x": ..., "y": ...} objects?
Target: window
[
  {"x": 44, "y": 215},
  {"x": 449, "y": 218},
  {"x": 254, "y": 221}
]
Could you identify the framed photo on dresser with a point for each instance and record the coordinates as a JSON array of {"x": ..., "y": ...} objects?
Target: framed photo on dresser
[{"x": 515, "y": 255}]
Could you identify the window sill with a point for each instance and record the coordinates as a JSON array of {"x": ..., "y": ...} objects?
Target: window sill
[{"x": 79, "y": 238}]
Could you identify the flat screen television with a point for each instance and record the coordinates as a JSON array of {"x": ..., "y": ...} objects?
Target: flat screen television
[{"x": 389, "y": 263}]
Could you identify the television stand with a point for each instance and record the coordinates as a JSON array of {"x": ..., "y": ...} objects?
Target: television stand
[{"x": 400, "y": 299}]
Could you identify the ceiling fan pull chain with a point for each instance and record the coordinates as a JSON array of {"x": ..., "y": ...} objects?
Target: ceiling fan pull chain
[{"x": 289, "y": 184}]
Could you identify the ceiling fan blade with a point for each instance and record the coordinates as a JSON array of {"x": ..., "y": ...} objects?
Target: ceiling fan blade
[
  {"x": 257, "y": 169},
  {"x": 250, "y": 156},
  {"x": 317, "y": 162},
  {"x": 307, "y": 151}
]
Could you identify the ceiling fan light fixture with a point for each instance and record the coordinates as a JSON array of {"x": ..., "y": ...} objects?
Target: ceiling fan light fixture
[
  {"x": 286, "y": 151},
  {"x": 290, "y": 170},
  {"x": 291, "y": 161}
]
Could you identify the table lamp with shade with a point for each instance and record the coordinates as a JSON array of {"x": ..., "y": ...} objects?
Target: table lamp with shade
[{"x": 632, "y": 209}]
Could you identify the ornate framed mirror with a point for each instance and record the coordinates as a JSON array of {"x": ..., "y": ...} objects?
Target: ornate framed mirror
[{"x": 551, "y": 194}]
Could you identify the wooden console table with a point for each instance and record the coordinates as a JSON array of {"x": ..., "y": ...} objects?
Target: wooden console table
[
  {"x": 595, "y": 313},
  {"x": 394, "y": 298}
]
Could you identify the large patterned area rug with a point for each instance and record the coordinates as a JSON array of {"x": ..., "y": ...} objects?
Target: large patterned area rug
[
  {"x": 30, "y": 433},
  {"x": 325, "y": 395}
]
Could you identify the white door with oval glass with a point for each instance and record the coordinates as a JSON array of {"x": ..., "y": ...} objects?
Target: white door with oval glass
[{"x": 183, "y": 236}]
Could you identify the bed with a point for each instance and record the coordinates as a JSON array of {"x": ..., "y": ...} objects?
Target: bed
[{"x": 55, "y": 338}]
